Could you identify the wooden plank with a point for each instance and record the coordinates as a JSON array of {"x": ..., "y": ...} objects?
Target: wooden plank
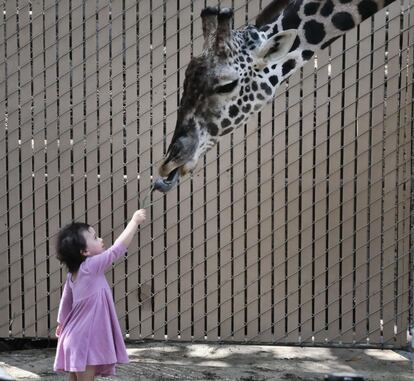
[
  {"x": 146, "y": 264},
  {"x": 280, "y": 216},
  {"x": 266, "y": 244},
  {"x": 390, "y": 177},
  {"x": 91, "y": 119},
  {"x": 362, "y": 231},
  {"x": 320, "y": 200},
  {"x": 376, "y": 131},
  {"x": 404, "y": 183},
  {"x": 307, "y": 200},
  {"x": 14, "y": 174},
  {"x": 253, "y": 187},
  {"x": 239, "y": 271},
  {"x": 4, "y": 270},
  {"x": 79, "y": 194},
  {"x": 119, "y": 217},
  {"x": 26, "y": 174},
  {"x": 39, "y": 170},
  {"x": 185, "y": 47},
  {"x": 134, "y": 292},
  {"x": 348, "y": 188},
  {"x": 63, "y": 69},
  {"x": 52, "y": 162},
  {"x": 105, "y": 130},
  {"x": 333, "y": 273},
  {"x": 173, "y": 217},
  {"x": 293, "y": 209}
]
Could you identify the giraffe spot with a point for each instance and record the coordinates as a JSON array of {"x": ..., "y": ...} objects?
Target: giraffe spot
[
  {"x": 275, "y": 30},
  {"x": 225, "y": 123},
  {"x": 307, "y": 54},
  {"x": 254, "y": 35},
  {"x": 247, "y": 89},
  {"x": 327, "y": 43},
  {"x": 254, "y": 86},
  {"x": 288, "y": 66},
  {"x": 226, "y": 131},
  {"x": 251, "y": 97},
  {"x": 266, "y": 70},
  {"x": 245, "y": 98},
  {"x": 327, "y": 9},
  {"x": 311, "y": 8},
  {"x": 314, "y": 32},
  {"x": 345, "y": 1},
  {"x": 295, "y": 44},
  {"x": 212, "y": 129},
  {"x": 257, "y": 107},
  {"x": 366, "y": 8},
  {"x": 239, "y": 102},
  {"x": 264, "y": 28},
  {"x": 274, "y": 80},
  {"x": 238, "y": 120},
  {"x": 246, "y": 108},
  {"x": 291, "y": 19},
  {"x": 343, "y": 21},
  {"x": 260, "y": 97},
  {"x": 233, "y": 111}
]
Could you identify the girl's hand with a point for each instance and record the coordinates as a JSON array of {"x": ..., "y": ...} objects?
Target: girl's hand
[
  {"x": 139, "y": 216},
  {"x": 58, "y": 329}
]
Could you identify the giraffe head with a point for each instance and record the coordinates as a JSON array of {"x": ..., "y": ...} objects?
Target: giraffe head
[{"x": 223, "y": 87}]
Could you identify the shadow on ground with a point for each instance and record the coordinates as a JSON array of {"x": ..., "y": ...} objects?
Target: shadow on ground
[{"x": 172, "y": 361}]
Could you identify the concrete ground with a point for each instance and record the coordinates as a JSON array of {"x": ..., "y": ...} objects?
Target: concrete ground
[{"x": 186, "y": 361}]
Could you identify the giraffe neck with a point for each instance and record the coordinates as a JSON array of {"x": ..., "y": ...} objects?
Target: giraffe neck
[{"x": 318, "y": 24}]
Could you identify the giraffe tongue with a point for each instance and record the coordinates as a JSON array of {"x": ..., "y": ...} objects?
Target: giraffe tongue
[{"x": 165, "y": 185}]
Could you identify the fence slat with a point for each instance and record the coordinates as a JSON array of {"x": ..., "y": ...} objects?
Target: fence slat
[
  {"x": 403, "y": 285},
  {"x": 26, "y": 176},
  {"x": 14, "y": 175},
  {"x": 376, "y": 131},
  {"x": 390, "y": 179},
  {"x": 134, "y": 291},
  {"x": 362, "y": 217},
  {"x": 334, "y": 250},
  {"x": 320, "y": 162}
]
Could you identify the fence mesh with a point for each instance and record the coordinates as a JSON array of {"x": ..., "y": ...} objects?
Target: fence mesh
[{"x": 295, "y": 229}]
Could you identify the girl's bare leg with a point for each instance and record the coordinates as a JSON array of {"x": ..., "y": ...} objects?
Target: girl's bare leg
[
  {"x": 72, "y": 376},
  {"x": 87, "y": 375}
]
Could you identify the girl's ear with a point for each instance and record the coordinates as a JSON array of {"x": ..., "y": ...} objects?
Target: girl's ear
[{"x": 85, "y": 253}]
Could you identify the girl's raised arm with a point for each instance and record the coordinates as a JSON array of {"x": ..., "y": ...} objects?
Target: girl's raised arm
[{"x": 100, "y": 263}]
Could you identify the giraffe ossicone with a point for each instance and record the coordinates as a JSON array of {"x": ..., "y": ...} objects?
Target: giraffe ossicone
[{"x": 238, "y": 72}]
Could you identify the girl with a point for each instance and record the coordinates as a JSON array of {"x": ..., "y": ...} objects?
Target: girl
[{"x": 90, "y": 341}]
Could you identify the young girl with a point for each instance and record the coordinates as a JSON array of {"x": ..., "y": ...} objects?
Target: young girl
[{"x": 90, "y": 341}]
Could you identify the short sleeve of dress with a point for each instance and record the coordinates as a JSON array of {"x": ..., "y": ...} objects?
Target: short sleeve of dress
[
  {"x": 101, "y": 262},
  {"x": 66, "y": 302}
]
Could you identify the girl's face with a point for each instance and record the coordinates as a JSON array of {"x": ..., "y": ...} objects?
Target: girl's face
[{"x": 94, "y": 244}]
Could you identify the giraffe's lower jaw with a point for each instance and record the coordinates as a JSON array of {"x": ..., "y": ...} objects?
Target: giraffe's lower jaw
[{"x": 165, "y": 185}]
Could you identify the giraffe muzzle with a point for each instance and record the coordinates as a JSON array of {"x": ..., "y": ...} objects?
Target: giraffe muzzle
[{"x": 165, "y": 185}]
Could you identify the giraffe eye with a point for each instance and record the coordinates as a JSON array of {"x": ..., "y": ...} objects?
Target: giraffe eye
[{"x": 226, "y": 88}]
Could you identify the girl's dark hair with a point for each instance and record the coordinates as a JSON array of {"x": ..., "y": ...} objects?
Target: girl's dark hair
[{"x": 69, "y": 245}]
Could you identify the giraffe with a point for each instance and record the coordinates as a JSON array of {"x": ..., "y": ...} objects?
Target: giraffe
[{"x": 238, "y": 72}]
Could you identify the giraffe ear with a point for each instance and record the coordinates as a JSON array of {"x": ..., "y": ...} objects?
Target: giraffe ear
[{"x": 278, "y": 46}]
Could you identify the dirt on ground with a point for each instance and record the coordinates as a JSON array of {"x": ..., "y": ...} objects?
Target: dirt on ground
[{"x": 188, "y": 361}]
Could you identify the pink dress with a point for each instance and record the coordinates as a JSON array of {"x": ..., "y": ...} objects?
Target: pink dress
[{"x": 90, "y": 333}]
